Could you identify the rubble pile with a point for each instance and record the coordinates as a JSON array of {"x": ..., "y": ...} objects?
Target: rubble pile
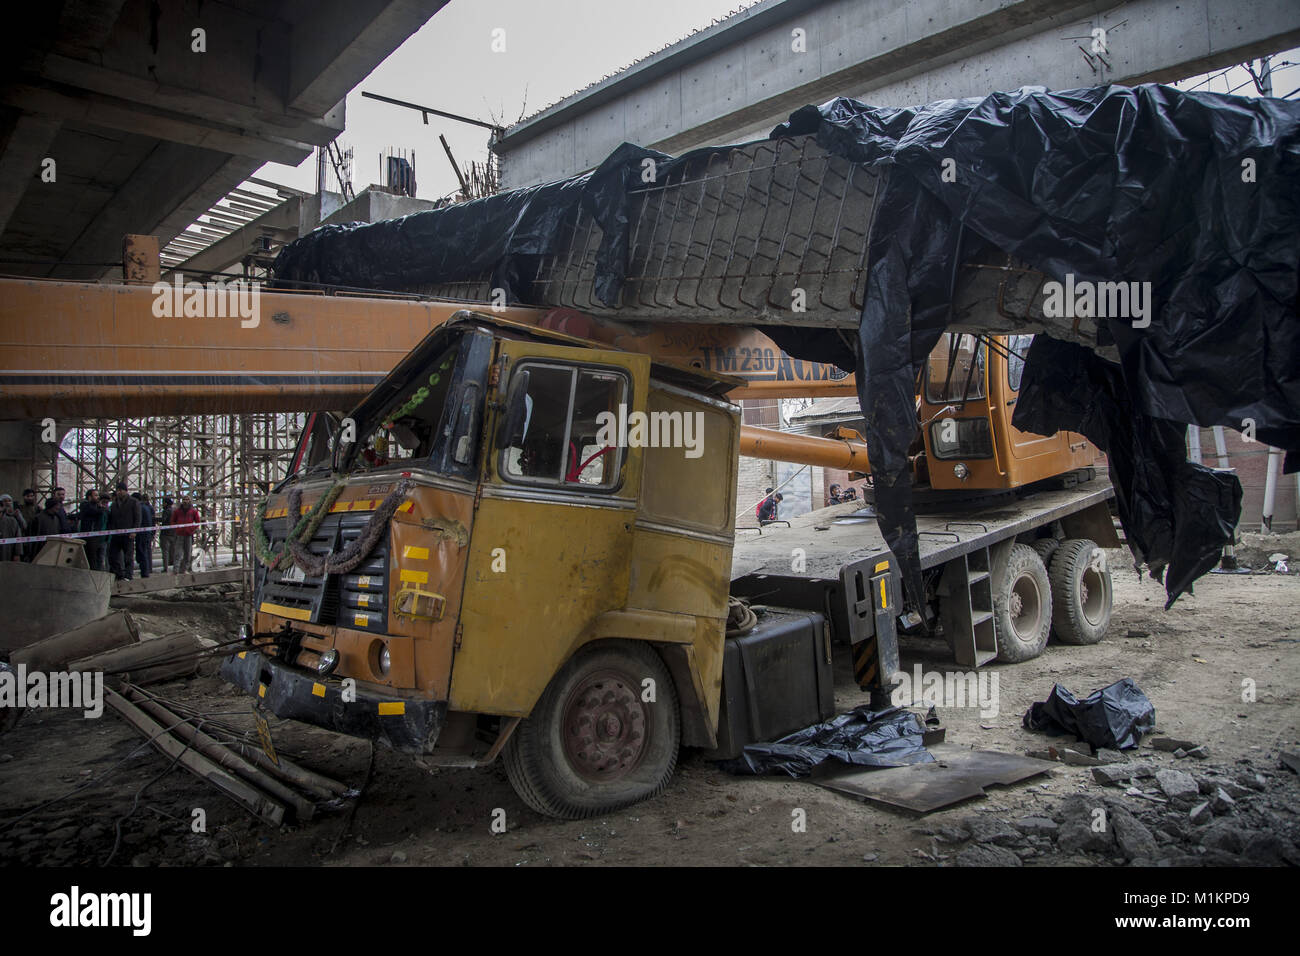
[{"x": 1144, "y": 814}]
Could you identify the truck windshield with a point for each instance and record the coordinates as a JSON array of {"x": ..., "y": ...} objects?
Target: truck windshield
[
  {"x": 955, "y": 370},
  {"x": 407, "y": 427}
]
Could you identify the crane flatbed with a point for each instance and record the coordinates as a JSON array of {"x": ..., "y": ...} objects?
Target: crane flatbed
[{"x": 833, "y": 537}]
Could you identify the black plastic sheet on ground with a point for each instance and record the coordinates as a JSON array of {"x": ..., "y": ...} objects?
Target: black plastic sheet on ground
[
  {"x": 1114, "y": 717},
  {"x": 862, "y": 738}
]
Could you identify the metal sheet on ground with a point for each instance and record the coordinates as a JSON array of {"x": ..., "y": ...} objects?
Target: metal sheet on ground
[{"x": 957, "y": 774}]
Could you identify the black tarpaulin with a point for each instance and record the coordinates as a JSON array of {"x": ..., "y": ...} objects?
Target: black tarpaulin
[
  {"x": 861, "y": 738},
  {"x": 1197, "y": 194},
  {"x": 1114, "y": 717}
]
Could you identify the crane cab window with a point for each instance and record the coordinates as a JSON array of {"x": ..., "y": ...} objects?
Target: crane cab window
[
  {"x": 565, "y": 408},
  {"x": 1017, "y": 351},
  {"x": 955, "y": 370}
]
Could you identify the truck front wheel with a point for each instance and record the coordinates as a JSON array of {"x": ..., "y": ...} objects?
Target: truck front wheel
[
  {"x": 1022, "y": 606},
  {"x": 603, "y": 736}
]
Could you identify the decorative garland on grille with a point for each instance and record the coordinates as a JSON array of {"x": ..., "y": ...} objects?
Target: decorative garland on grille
[
  {"x": 304, "y": 528},
  {"x": 341, "y": 562}
]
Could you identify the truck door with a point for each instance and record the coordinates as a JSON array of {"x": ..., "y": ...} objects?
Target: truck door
[{"x": 552, "y": 536}]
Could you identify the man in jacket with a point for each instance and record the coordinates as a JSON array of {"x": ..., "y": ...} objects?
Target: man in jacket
[
  {"x": 11, "y": 526},
  {"x": 185, "y": 522},
  {"x": 124, "y": 513},
  {"x": 90, "y": 517},
  {"x": 46, "y": 522},
  {"x": 166, "y": 536},
  {"x": 28, "y": 510},
  {"x": 144, "y": 539},
  {"x": 65, "y": 520}
]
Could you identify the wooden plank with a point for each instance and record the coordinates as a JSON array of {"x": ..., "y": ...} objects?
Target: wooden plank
[{"x": 165, "y": 582}]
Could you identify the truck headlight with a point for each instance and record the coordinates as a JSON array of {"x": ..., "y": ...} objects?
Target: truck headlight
[
  {"x": 961, "y": 471},
  {"x": 961, "y": 438},
  {"x": 385, "y": 661},
  {"x": 326, "y": 662}
]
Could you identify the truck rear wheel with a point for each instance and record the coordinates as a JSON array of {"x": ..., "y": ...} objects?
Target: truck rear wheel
[
  {"x": 1022, "y": 606},
  {"x": 1045, "y": 548},
  {"x": 592, "y": 743},
  {"x": 1081, "y": 592}
]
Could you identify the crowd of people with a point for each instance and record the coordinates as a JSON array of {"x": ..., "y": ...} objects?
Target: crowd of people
[{"x": 131, "y": 513}]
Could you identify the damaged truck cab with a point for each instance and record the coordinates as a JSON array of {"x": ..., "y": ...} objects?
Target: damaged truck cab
[{"x": 512, "y": 525}]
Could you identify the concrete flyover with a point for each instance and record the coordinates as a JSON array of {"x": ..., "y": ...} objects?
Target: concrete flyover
[
  {"x": 146, "y": 131},
  {"x": 735, "y": 80}
]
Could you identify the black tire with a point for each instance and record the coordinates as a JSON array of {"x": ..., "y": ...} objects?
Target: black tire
[
  {"x": 1022, "y": 607},
  {"x": 1081, "y": 594},
  {"x": 601, "y": 684},
  {"x": 1045, "y": 548}
]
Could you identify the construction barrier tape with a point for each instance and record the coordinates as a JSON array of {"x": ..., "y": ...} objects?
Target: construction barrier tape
[{"x": 115, "y": 531}]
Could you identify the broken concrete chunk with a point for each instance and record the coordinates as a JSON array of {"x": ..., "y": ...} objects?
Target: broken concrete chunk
[
  {"x": 1111, "y": 775},
  {"x": 1200, "y": 753},
  {"x": 1037, "y": 826},
  {"x": 1177, "y": 785},
  {"x": 1221, "y": 803},
  {"x": 1170, "y": 744},
  {"x": 1252, "y": 780},
  {"x": 1074, "y": 758},
  {"x": 1234, "y": 790},
  {"x": 1132, "y": 836},
  {"x": 995, "y": 831},
  {"x": 957, "y": 834},
  {"x": 1201, "y": 813},
  {"x": 986, "y": 854},
  {"x": 1225, "y": 836},
  {"x": 1110, "y": 756},
  {"x": 1077, "y": 836}
]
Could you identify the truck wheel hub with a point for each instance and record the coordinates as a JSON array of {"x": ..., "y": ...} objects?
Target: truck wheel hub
[{"x": 605, "y": 727}]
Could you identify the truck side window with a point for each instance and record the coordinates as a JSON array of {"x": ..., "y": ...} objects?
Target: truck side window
[{"x": 561, "y": 442}]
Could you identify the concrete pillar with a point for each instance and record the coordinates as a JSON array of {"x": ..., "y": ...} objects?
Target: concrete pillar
[{"x": 18, "y": 464}]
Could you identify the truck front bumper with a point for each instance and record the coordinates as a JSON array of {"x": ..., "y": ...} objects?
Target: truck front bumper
[{"x": 405, "y": 724}]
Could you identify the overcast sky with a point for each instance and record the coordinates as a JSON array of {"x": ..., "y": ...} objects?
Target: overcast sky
[{"x": 553, "y": 49}]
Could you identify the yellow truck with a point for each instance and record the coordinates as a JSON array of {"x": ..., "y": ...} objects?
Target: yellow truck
[{"x": 522, "y": 544}]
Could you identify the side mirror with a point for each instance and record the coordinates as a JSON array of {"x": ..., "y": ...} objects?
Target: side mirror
[{"x": 512, "y": 424}]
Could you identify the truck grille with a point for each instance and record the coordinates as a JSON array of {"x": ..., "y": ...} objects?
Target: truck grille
[{"x": 355, "y": 600}]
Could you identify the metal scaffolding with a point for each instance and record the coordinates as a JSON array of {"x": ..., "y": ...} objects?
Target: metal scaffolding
[{"x": 226, "y": 463}]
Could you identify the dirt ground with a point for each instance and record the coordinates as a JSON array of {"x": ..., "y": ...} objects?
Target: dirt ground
[{"x": 87, "y": 792}]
